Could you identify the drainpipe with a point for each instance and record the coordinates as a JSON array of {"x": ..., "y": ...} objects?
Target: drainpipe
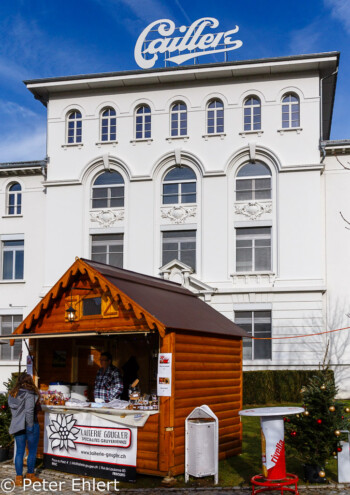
[{"x": 322, "y": 147}]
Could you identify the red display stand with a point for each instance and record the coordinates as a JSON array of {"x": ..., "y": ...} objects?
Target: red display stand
[
  {"x": 261, "y": 484},
  {"x": 274, "y": 477}
]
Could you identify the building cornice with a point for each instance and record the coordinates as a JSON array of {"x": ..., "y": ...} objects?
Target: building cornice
[{"x": 37, "y": 167}]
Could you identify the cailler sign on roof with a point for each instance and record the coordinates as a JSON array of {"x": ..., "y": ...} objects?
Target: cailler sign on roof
[{"x": 156, "y": 39}]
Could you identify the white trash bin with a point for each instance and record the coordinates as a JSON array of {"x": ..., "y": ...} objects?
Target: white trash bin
[
  {"x": 344, "y": 461},
  {"x": 202, "y": 444}
]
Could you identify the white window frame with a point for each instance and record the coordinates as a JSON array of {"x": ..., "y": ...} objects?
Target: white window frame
[
  {"x": 176, "y": 131},
  {"x": 250, "y": 126},
  {"x": 111, "y": 121},
  {"x": 289, "y": 106},
  {"x": 108, "y": 243},
  {"x": 253, "y": 237},
  {"x": 180, "y": 194},
  {"x": 253, "y": 190},
  {"x": 143, "y": 122},
  {"x": 17, "y": 195},
  {"x": 252, "y": 321},
  {"x": 215, "y": 111},
  {"x": 109, "y": 197},
  {"x": 13, "y": 249},
  {"x": 13, "y": 327},
  {"x": 75, "y": 139},
  {"x": 179, "y": 240}
]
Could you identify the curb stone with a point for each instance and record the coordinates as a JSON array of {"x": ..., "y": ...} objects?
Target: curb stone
[{"x": 7, "y": 471}]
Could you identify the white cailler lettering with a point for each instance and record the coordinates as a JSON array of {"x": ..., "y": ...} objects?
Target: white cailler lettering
[
  {"x": 192, "y": 41},
  {"x": 162, "y": 24}
]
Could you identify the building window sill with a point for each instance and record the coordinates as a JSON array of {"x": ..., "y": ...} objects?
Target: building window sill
[
  {"x": 243, "y": 134},
  {"x": 247, "y": 274},
  {"x": 171, "y": 138},
  {"x": 72, "y": 145},
  {"x": 146, "y": 140},
  {"x": 10, "y": 281},
  {"x": 253, "y": 279},
  {"x": 101, "y": 143},
  {"x": 221, "y": 135},
  {"x": 289, "y": 129},
  {"x": 12, "y": 216}
]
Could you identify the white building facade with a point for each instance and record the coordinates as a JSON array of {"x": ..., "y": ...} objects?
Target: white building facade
[{"x": 218, "y": 176}]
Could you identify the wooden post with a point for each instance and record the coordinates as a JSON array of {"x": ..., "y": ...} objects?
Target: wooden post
[{"x": 166, "y": 420}]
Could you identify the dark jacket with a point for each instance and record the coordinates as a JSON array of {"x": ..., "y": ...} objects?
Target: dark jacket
[{"x": 22, "y": 409}]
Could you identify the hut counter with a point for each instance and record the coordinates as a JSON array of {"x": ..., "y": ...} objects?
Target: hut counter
[{"x": 100, "y": 443}]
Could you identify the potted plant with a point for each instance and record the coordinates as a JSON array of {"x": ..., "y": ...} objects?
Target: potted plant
[
  {"x": 315, "y": 435},
  {"x": 6, "y": 440}
]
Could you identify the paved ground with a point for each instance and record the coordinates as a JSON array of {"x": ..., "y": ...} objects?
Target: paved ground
[{"x": 67, "y": 484}]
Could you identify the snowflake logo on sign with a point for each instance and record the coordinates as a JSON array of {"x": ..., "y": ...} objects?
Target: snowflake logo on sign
[{"x": 63, "y": 432}]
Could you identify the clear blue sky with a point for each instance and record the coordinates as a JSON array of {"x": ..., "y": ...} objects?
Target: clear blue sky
[{"x": 45, "y": 38}]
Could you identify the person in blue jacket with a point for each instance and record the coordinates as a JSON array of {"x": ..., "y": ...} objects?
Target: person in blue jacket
[{"x": 24, "y": 403}]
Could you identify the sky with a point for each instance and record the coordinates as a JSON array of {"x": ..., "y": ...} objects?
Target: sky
[{"x": 48, "y": 38}]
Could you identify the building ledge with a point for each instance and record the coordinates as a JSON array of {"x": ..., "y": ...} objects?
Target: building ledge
[{"x": 290, "y": 129}]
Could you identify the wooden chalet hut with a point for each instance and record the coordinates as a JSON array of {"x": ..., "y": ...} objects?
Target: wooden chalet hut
[{"x": 139, "y": 316}]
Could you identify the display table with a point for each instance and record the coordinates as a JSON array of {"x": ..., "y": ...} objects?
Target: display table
[
  {"x": 273, "y": 449},
  {"x": 99, "y": 442}
]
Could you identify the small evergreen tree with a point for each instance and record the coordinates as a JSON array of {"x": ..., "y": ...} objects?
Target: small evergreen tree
[
  {"x": 314, "y": 436},
  {"x": 5, "y": 415}
]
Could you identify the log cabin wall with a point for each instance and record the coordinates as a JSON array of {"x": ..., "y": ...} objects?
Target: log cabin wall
[{"x": 208, "y": 370}]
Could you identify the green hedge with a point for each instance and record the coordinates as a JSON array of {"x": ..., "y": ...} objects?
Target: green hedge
[{"x": 263, "y": 387}]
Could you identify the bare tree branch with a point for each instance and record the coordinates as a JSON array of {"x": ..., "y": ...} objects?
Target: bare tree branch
[
  {"x": 345, "y": 220},
  {"x": 347, "y": 167}
]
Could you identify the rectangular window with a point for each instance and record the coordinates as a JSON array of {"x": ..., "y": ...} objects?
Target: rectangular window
[
  {"x": 9, "y": 323},
  {"x": 258, "y": 325},
  {"x": 108, "y": 249},
  {"x": 247, "y": 189},
  {"x": 92, "y": 306},
  {"x": 253, "y": 249},
  {"x": 180, "y": 245},
  {"x": 12, "y": 260}
]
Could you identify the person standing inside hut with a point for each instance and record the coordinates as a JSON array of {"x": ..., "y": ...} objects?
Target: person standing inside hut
[
  {"x": 108, "y": 383},
  {"x": 24, "y": 403}
]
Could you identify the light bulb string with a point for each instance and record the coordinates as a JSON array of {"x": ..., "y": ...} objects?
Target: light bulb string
[{"x": 297, "y": 336}]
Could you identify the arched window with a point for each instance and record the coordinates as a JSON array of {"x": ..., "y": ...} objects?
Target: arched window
[
  {"x": 290, "y": 111},
  {"x": 108, "y": 124},
  {"x": 252, "y": 114},
  {"x": 178, "y": 114},
  {"x": 253, "y": 181},
  {"x": 179, "y": 186},
  {"x": 108, "y": 190},
  {"x": 143, "y": 122},
  {"x": 215, "y": 117},
  {"x": 14, "y": 199},
  {"x": 74, "y": 127}
]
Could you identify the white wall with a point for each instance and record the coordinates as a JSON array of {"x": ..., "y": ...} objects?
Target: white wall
[{"x": 294, "y": 291}]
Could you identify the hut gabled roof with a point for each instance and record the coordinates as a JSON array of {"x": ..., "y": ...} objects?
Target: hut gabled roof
[{"x": 165, "y": 305}]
